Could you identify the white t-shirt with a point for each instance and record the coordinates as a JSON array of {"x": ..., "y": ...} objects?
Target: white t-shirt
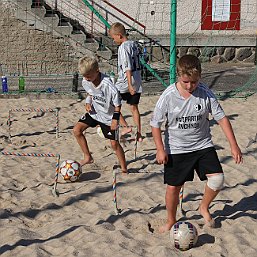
[
  {"x": 104, "y": 98},
  {"x": 128, "y": 59},
  {"x": 187, "y": 127}
]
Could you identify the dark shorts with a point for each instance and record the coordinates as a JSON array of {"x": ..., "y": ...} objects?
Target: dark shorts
[
  {"x": 180, "y": 167},
  {"x": 131, "y": 99},
  {"x": 108, "y": 133}
]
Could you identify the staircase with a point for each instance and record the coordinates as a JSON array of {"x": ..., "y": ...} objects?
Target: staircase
[{"x": 40, "y": 16}]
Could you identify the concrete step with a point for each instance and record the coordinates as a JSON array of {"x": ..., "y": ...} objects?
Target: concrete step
[
  {"x": 51, "y": 21},
  {"x": 25, "y": 4},
  {"x": 64, "y": 30},
  {"x": 79, "y": 36},
  {"x": 91, "y": 44},
  {"x": 39, "y": 11},
  {"x": 105, "y": 54},
  {"x": 38, "y": 17}
]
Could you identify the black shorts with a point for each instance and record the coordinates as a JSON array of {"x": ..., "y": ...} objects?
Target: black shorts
[
  {"x": 108, "y": 133},
  {"x": 180, "y": 167},
  {"x": 131, "y": 99}
]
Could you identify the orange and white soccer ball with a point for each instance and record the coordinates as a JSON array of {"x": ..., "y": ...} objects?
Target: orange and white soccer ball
[{"x": 70, "y": 170}]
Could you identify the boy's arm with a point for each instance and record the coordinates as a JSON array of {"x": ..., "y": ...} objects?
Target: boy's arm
[
  {"x": 129, "y": 78},
  {"x": 88, "y": 103},
  {"x": 115, "y": 118},
  {"x": 161, "y": 155},
  {"x": 228, "y": 131}
]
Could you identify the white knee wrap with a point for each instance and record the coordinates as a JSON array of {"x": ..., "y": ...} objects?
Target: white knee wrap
[{"x": 215, "y": 182}]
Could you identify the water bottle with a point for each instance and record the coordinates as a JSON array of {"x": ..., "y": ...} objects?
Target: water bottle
[
  {"x": 21, "y": 84},
  {"x": 4, "y": 84}
]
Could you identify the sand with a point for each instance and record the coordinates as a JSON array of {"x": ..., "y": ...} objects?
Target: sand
[{"x": 82, "y": 221}]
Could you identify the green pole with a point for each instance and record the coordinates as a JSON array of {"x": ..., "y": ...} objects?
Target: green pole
[
  {"x": 173, "y": 54},
  {"x": 153, "y": 72}
]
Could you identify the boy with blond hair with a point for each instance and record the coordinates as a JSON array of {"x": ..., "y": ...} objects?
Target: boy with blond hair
[
  {"x": 103, "y": 109},
  {"x": 185, "y": 107},
  {"x": 129, "y": 82}
]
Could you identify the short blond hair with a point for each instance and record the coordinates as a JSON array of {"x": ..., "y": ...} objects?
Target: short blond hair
[
  {"x": 189, "y": 65},
  {"x": 118, "y": 28},
  {"x": 87, "y": 64}
]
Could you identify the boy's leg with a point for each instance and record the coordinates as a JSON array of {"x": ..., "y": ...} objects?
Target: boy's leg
[
  {"x": 120, "y": 155},
  {"x": 171, "y": 199},
  {"x": 125, "y": 128},
  {"x": 78, "y": 130},
  {"x": 137, "y": 120},
  {"x": 207, "y": 167},
  {"x": 208, "y": 197}
]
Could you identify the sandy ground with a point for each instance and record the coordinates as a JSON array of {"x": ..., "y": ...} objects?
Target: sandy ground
[{"x": 82, "y": 222}]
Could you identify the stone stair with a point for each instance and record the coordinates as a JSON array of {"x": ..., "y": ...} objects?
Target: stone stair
[{"x": 43, "y": 17}]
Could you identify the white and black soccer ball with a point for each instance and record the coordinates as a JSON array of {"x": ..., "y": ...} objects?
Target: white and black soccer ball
[
  {"x": 70, "y": 170},
  {"x": 183, "y": 235}
]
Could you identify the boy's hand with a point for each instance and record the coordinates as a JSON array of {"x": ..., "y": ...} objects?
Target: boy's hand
[
  {"x": 88, "y": 107},
  {"x": 114, "y": 124},
  {"x": 131, "y": 90},
  {"x": 161, "y": 157},
  {"x": 237, "y": 154}
]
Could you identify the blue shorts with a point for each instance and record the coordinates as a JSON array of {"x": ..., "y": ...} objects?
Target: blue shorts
[
  {"x": 108, "y": 133},
  {"x": 180, "y": 167}
]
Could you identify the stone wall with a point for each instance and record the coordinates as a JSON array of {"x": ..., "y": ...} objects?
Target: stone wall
[
  {"x": 30, "y": 51},
  {"x": 209, "y": 54}
]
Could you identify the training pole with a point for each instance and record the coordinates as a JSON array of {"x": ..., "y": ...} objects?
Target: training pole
[
  {"x": 54, "y": 190},
  {"x": 181, "y": 192},
  {"x": 114, "y": 174}
]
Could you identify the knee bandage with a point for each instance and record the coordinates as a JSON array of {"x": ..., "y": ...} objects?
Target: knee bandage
[{"x": 215, "y": 182}]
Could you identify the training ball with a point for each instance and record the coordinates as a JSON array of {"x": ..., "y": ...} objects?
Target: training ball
[
  {"x": 70, "y": 170},
  {"x": 183, "y": 235},
  {"x": 100, "y": 132}
]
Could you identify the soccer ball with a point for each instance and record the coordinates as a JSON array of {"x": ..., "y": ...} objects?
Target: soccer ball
[
  {"x": 70, "y": 170},
  {"x": 183, "y": 235}
]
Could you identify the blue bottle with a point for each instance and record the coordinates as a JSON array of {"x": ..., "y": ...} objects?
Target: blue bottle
[{"x": 4, "y": 84}]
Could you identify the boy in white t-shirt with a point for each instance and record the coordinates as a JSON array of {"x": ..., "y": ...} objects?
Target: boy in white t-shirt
[
  {"x": 184, "y": 107},
  {"x": 129, "y": 82},
  {"x": 103, "y": 109}
]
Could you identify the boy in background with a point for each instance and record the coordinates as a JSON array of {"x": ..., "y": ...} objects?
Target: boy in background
[{"x": 129, "y": 82}]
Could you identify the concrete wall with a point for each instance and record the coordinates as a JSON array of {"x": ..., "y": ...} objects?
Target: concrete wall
[
  {"x": 155, "y": 15},
  {"x": 25, "y": 50},
  {"x": 189, "y": 31}
]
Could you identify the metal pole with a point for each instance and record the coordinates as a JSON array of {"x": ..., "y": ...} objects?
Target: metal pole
[
  {"x": 75, "y": 82},
  {"x": 255, "y": 60},
  {"x": 94, "y": 11},
  {"x": 173, "y": 52}
]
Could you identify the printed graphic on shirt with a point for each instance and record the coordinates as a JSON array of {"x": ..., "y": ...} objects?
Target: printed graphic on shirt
[
  {"x": 99, "y": 99},
  {"x": 198, "y": 107},
  {"x": 188, "y": 122}
]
